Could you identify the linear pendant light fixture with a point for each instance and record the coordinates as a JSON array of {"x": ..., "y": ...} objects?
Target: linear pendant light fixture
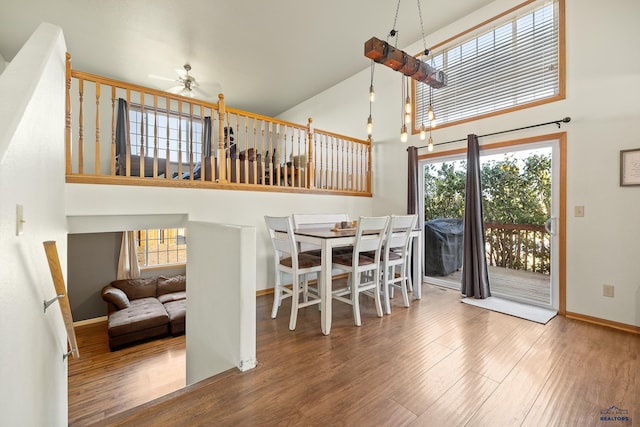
[{"x": 382, "y": 52}]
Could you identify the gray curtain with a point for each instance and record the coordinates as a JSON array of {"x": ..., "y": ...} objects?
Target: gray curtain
[
  {"x": 122, "y": 135},
  {"x": 475, "y": 278},
  {"x": 207, "y": 137},
  {"x": 412, "y": 181}
]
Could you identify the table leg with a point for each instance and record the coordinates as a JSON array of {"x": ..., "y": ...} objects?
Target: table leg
[{"x": 325, "y": 278}]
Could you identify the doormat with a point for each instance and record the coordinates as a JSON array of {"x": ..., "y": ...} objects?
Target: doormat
[{"x": 513, "y": 308}]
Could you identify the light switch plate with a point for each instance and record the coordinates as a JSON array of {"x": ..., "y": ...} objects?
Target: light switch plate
[
  {"x": 579, "y": 211},
  {"x": 19, "y": 220}
]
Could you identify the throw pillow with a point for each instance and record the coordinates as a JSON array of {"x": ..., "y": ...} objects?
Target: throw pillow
[{"x": 116, "y": 297}]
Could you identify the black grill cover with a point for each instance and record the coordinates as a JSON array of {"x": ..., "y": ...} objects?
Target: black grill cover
[{"x": 443, "y": 246}]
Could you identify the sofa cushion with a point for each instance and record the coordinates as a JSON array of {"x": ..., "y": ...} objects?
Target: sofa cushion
[
  {"x": 137, "y": 288},
  {"x": 142, "y": 313},
  {"x": 168, "y": 285},
  {"x": 116, "y": 297},
  {"x": 174, "y": 296},
  {"x": 177, "y": 311}
]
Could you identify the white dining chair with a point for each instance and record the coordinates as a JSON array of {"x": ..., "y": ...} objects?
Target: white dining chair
[
  {"x": 299, "y": 266},
  {"x": 395, "y": 258},
  {"x": 364, "y": 271}
]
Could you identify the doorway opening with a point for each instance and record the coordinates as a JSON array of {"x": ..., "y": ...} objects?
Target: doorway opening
[{"x": 522, "y": 196}]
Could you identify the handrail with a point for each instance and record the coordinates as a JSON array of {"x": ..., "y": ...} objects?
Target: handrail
[
  {"x": 260, "y": 152},
  {"x": 61, "y": 296}
]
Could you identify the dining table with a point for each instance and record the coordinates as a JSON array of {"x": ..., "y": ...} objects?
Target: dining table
[{"x": 329, "y": 238}]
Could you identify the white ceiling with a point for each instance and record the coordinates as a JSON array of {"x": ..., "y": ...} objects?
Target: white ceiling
[{"x": 267, "y": 56}]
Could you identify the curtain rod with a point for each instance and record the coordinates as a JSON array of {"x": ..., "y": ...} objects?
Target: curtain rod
[{"x": 557, "y": 122}]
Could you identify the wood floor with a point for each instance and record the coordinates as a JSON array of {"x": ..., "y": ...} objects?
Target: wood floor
[{"x": 437, "y": 363}]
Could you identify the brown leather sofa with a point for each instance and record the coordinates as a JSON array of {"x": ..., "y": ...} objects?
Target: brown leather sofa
[{"x": 139, "y": 309}]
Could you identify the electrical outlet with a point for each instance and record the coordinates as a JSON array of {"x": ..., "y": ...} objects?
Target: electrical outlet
[{"x": 607, "y": 291}]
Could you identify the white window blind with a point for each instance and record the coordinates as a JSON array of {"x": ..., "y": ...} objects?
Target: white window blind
[{"x": 509, "y": 65}]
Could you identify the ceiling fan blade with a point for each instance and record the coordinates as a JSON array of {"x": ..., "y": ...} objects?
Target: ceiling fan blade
[
  {"x": 201, "y": 93},
  {"x": 153, "y": 76},
  {"x": 175, "y": 89}
]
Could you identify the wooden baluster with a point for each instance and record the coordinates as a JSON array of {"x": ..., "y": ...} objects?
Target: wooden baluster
[
  {"x": 167, "y": 160},
  {"x": 297, "y": 164},
  {"x": 278, "y": 149},
  {"x": 67, "y": 115},
  {"x": 191, "y": 141},
  {"x": 263, "y": 156},
  {"x": 97, "y": 147},
  {"x": 222, "y": 163},
  {"x": 324, "y": 152},
  {"x": 285, "y": 156},
  {"x": 369, "y": 174},
  {"x": 203, "y": 164},
  {"x": 353, "y": 165},
  {"x": 142, "y": 134},
  {"x": 113, "y": 131},
  {"x": 155, "y": 136},
  {"x": 127, "y": 153},
  {"x": 272, "y": 159},
  {"x": 179, "y": 139},
  {"x": 80, "y": 127},
  {"x": 518, "y": 262},
  {"x": 311, "y": 173},
  {"x": 345, "y": 165},
  {"x": 254, "y": 163},
  {"x": 334, "y": 162},
  {"x": 246, "y": 164}
]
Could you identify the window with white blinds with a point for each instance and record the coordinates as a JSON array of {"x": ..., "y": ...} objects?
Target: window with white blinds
[{"x": 507, "y": 66}]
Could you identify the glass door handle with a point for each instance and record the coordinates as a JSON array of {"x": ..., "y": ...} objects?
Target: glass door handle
[{"x": 550, "y": 226}]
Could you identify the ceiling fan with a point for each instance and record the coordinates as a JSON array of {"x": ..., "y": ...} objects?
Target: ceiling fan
[{"x": 186, "y": 84}]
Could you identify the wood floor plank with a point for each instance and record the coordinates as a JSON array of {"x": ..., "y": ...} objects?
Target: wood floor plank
[
  {"x": 438, "y": 362},
  {"x": 593, "y": 376},
  {"x": 456, "y": 406},
  {"x": 514, "y": 397}
]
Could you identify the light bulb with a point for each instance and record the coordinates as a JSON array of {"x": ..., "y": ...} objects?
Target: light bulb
[
  {"x": 404, "y": 136},
  {"x": 407, "y": 118},
  {"x": 430, "y": 113},
  {"x": 372, "y": 94},
  {"x": 407, "y": 105},
  {"x": 423, "y": 132},
  {"x": 433, "y": 122},
  {"x": 369, "y": 126},
  {"x": 430, "y": 145}
]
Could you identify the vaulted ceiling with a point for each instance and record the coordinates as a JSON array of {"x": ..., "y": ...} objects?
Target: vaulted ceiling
[{"x": 265, "y": 56}]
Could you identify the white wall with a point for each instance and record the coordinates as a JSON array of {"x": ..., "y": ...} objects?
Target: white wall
[
  {"x": 222, "y": 294},
  {"x": 603, "y": 88},
  {"x": 32, "y": 370},
  {"x": 220, "y": 206}
]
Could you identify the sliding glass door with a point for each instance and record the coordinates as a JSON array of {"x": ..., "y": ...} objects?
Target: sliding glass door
[{"x": 520, "y": 206}]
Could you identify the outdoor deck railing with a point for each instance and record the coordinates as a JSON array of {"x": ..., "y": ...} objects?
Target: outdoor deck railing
[
  {"x": 518, "y": 246},
  {"x": 119, "y": 133}
]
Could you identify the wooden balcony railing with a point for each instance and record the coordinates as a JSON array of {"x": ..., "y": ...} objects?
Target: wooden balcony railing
[
  {"x": 119, "y": 133},
  {"x": 518, "y": 246}
]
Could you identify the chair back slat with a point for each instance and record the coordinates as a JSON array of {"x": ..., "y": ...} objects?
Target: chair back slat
[
  {"x": 400, "y": 227},
  {"x": 370, "y": 234},
  {"x": 281, "y": 234}
]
